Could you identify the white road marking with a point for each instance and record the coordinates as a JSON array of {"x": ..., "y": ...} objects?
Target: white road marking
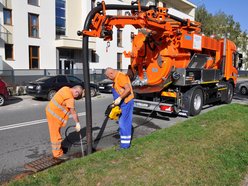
[{"x": 35, "y": 122}]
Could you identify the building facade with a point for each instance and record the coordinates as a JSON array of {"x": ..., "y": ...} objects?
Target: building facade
[{"x": 42, "y": 34}]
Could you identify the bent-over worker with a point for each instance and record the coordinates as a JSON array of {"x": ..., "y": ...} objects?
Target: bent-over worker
[
  {"x": 57, "y": 113},
  {"x": 123, "y": 96}
]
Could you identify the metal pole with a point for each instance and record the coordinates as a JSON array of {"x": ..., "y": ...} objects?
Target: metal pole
[{"x": 88, "y": 109}]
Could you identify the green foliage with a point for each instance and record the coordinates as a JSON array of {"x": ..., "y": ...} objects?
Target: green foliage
[{"x": 221, "y": 24}]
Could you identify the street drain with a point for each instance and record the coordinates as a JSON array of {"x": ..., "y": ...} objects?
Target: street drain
[{"x": 42, "y": 163}]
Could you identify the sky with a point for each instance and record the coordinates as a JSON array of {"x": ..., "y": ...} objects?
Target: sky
[{"x": 237, "y": 8}]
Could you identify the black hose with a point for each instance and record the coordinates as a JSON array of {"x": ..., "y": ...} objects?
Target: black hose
[{"x": 69, "y": 140}]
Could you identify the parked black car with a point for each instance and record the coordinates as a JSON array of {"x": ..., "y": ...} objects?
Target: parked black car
[
  {"x": 47, "y": 86},
  {"x": 105, "y": 85}
]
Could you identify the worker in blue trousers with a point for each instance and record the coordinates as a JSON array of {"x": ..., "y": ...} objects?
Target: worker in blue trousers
[{"x": 123, "y": 96}]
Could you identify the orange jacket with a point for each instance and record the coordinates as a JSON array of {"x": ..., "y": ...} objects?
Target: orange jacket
[
  {"x": 120, "y": 81},
  {"x": 59, "y": 106}
]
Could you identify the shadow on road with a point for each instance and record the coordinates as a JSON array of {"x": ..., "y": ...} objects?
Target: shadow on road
[{"x": 13, "y": 100}]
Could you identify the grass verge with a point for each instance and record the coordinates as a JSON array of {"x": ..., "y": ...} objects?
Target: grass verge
[{"x": 210, "y": 149}]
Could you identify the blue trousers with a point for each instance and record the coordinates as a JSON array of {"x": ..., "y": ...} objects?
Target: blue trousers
[{"x": 125, "y": 121}]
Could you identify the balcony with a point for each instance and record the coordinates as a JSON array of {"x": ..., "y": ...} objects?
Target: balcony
[
  {"x": 6, "y": 35},
  {"x": 180, "y": 14},
  {"x": 6, "y": 3}
]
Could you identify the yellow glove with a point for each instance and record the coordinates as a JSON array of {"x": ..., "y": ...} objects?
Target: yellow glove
[
  {"x": 117, "y": 101},
  {"x": 78, "y": 127}
]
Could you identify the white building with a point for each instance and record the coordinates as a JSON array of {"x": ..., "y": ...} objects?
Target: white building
[{"x": 42, "y": 34}]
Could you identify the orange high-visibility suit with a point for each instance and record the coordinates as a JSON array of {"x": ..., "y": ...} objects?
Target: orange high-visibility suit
[{"x": 57, "y": 112}]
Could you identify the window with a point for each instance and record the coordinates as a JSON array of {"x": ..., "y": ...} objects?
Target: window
[
  {"x": 33, "y": 2},
  {"x": 73, "y": 79},
  {"x": 119, "y": 38},
  {"x": 7, "y": 16},
  {"x": 60, "y": 17},
  {"x": 119, "y": 12},
  {"x": 9, "y": 52},
  {"x": 61, "y": 79},
  {"x": 34, "y": 57},
  {"x": 119, "y": 61},
  {"x": 33, "y": 24},
  {"x": 93, "y": 56}
]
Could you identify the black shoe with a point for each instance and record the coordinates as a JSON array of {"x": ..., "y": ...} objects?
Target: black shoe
[{"x": 64, "y": 157}]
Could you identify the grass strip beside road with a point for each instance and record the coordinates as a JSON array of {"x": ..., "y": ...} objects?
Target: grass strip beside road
[{"x": 210, "y": 149}]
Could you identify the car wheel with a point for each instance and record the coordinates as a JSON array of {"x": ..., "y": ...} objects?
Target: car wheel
[
  {"x": 2, "y": 100},
  {"x": 50, "y": 94},
  {"x": 92, "y": 92},
  {"x": 243, "y": 90}
]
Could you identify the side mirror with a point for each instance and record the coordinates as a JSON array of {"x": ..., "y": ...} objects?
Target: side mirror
[{"x": 240, "y": 63}]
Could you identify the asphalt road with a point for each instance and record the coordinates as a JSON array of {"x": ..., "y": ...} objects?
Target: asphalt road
[{"x": 24, "y": 133}]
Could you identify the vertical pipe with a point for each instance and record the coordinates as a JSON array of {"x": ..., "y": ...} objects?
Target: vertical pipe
[{"x": 88, "y": 109}]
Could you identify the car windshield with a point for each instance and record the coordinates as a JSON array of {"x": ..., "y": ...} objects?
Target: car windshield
[{"x": 43, "y": 79}]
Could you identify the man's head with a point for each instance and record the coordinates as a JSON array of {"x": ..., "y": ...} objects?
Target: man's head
[
  {"x": 110, "y": 73},
  {"x": 77, "y": 91}
]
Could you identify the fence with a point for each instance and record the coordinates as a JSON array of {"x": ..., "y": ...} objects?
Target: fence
[
  {"x": 17, "y": 79},
  {"x": 22, "y": 77}
]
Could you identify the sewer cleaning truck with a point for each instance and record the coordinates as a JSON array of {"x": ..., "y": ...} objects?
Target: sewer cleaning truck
[{"x": 174, "y": 68}]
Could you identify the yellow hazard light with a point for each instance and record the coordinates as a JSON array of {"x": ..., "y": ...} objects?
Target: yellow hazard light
[{"x": 169, "y": 94}]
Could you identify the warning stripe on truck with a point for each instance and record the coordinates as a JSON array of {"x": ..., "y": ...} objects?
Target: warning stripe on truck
[{"x": 169, "y": 94}]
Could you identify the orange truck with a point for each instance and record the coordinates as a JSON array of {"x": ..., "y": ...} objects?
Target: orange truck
[{"x": 174, "y": 67}]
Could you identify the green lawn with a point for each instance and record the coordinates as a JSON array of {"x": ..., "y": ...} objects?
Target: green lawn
[{"x": 210, "y": 149}]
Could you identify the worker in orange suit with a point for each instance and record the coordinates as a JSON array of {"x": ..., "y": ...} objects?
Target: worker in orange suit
[
  {"x": 123, "y": 96},
  {"x": 57, "y": 113}
]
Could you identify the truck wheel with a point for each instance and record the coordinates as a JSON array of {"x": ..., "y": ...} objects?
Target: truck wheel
[
  {"x": 2, "y": 100},
  {"x": 229, "y": 93},
  {"x": 196, "y": 102},
  {"x": 50, "y": 94},
  {"x": 243, "y": 90}
]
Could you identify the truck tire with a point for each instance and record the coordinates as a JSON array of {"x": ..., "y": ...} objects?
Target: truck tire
[
  {"x": 196, "y": 102},
  {"x": 229, "y": 93}
]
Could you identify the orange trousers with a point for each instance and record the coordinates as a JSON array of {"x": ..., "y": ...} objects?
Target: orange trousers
[{"x": 55, "y": 136}]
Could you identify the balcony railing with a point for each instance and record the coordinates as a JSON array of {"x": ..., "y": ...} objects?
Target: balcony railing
[
  {"x": 5, "y": 3},
  {"x": 6, "y": 35}
]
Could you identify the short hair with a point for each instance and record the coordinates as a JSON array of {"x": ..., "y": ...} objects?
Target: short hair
[
  {"x": 78, "y": 87},
  {"x": 108, "y": 69}
]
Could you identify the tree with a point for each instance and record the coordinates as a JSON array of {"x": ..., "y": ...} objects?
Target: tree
[{"x": 222, "y": 24}]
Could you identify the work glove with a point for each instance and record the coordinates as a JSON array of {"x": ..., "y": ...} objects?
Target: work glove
[
  {"x": 117, "y": 101},
  {"x": 78, "y": 127}
]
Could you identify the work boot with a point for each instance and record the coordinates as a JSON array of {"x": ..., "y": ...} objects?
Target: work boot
[{"x": 64, "y": 157}]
